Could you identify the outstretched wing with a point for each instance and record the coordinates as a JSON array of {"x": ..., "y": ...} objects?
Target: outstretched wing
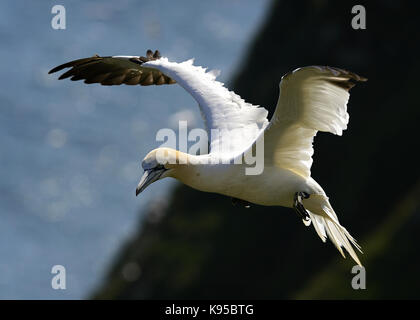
[
  {"x": 231, "y": 123},
  {"x": 311, "y": 99},
  {"x": 115, "y": 70}
]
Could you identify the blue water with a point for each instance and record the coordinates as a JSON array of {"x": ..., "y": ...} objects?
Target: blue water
[{"x": 70, "y": 153}]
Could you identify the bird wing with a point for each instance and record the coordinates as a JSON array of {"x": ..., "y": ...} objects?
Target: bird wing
[
  {"x": 231, "y": 123},
  {"x": 311, "y": 99},
  {"x": 115, "y": 70}
]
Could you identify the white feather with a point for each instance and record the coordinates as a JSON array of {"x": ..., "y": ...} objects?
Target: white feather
[
  {"x": 308, "y": 102},
  {"x": 237, "y": 122}
]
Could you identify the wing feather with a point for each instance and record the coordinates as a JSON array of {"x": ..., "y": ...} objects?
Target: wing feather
[
  {"x": 114, "y": 70},
  {"x": 311, "y": 99},
  {"x": 237, "y": 123},
  {"x": 232, "y": 124}
]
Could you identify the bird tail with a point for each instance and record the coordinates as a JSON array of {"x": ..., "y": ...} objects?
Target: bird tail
[{"x": 326, "y": 224}]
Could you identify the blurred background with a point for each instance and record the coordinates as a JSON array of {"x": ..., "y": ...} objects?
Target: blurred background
[{"x": 71, "y": 154}]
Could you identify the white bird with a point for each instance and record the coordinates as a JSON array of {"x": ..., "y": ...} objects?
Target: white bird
[{"x": 311, "y": 99}]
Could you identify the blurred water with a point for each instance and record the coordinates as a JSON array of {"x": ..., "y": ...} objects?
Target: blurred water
[{"x": 70, "y": 153}]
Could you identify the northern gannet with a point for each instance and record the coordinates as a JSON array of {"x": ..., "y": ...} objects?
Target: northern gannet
[{"x": 311, "y": 99}]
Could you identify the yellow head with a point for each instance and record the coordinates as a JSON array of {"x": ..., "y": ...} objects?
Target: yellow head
[{"x": 161, "y": 163}]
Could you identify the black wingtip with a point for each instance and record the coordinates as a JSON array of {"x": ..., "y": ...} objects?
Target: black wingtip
[
  {"x": 63, "y": 66},
  {"x": 75, "y": 63},
  {"x": 54, "y": 70}
]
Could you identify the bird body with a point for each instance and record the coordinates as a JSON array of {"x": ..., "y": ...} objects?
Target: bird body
[
  {"x": 311, "y": 99},
  {"x": 275, "y": 187}
]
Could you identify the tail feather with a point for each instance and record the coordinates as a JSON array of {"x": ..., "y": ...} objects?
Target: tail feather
[
  {"x": 319, "y": 226},
  {"x": 326, "y": 224}
]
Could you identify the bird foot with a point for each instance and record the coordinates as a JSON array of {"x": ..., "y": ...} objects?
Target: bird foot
[{"x": 298, "y": 205}]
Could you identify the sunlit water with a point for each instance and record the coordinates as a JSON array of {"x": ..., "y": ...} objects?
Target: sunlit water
[{"x": 70, "y": 153}]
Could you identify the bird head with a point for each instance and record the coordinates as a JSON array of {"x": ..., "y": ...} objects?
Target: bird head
[{"x": 158, "y": 164}]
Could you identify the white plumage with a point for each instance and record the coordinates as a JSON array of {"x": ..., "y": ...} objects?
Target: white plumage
[
  {"x": 311, "y": 99},
  {"x": 238, "y": 122}
]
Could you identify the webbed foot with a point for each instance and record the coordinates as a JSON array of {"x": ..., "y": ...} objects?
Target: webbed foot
[{"x": 298, "y": 205}]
